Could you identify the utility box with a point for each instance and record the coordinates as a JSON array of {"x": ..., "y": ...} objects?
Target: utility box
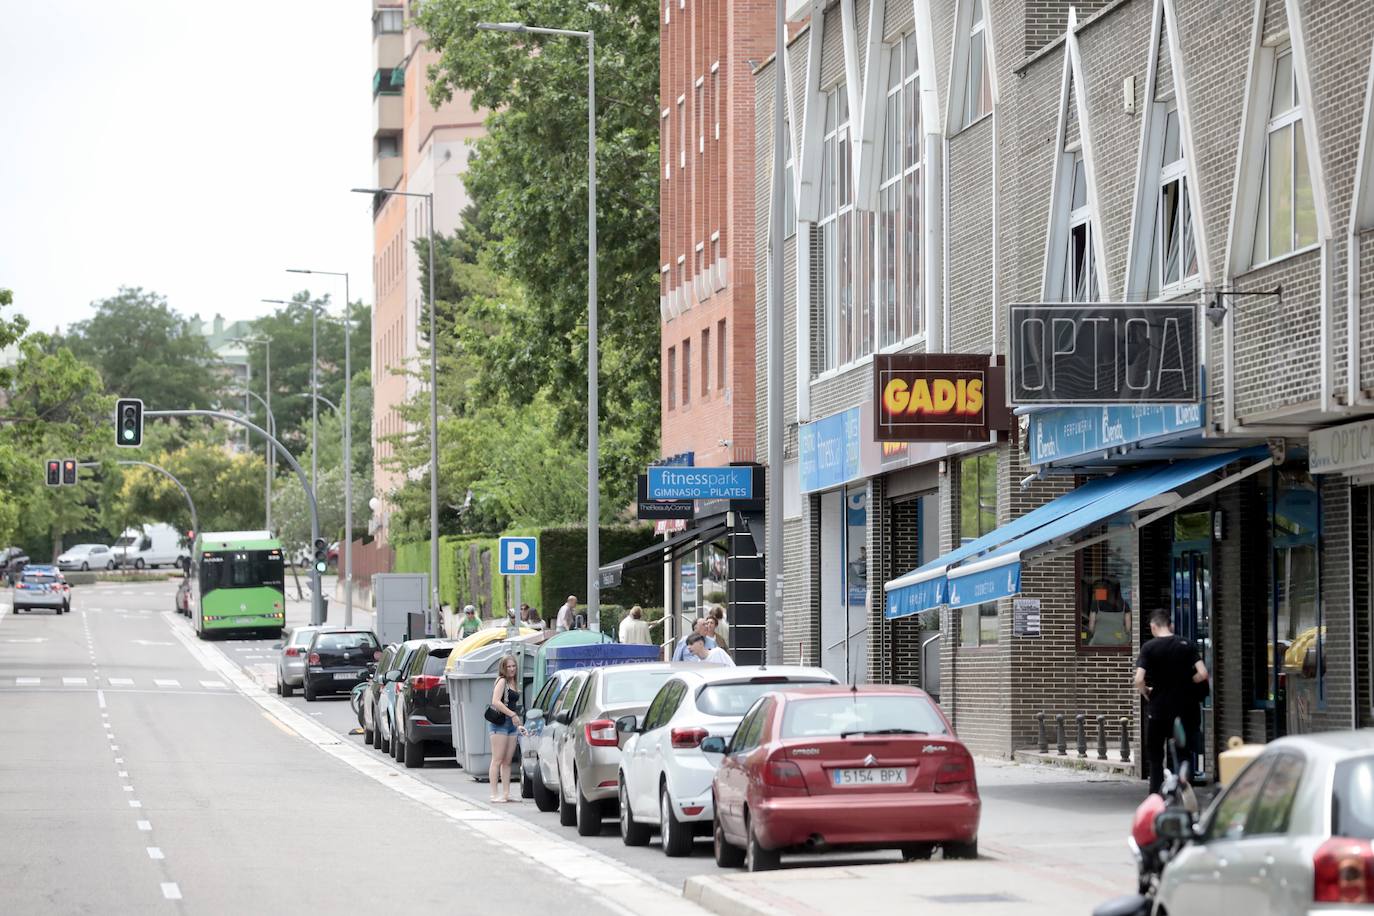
[{"x": 402, "y": 604}]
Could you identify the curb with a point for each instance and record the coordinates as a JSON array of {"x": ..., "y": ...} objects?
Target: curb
[{"x": 711, "y": 893}]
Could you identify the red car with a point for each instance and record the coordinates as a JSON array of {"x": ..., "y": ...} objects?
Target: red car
[{"x": 822, "y": 768}]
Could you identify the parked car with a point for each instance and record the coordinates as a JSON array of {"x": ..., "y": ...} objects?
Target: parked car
[
  {"x": 588, "y": 750},
  {"x": 42, "y": 587},
  {"x": 1292, "y": 834},
  {"x": 820, "y": 768},
  {"x": 150, "y": 546},
  {"x": 86, "y": 557},
  {"x": 183, "y": 598},
  {"x": 337, "y": 660},
  {"x": 546, "y": 773},
  {"x": 421, "y": 717},
  {"x": 368, "y": 715},
  {"x": 291, "y": 655},
  {"x": 536, "y": 718},
  {"x": 12, "y": 561},
  {"x": 665, "y": 779},
  {"x": 384, "y": 706}
]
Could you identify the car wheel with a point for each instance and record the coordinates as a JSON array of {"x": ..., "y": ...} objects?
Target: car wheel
[
  {"x": 728, "y": 855},
  {"x": 369, "y": 734},
  {"x": 567, "y": 811},
  {"x": 110, "y": 564},
  {"x": 544, "y": 800},
  {"x": 588, "y": 813},
  {"x": 414, "y": 754},
  {"x": 756, "y": 858},
  {"x": 398, "y": 745},
  {"x": 139, "y": 564},
  {"x": 631, "y": 833},
  {"x": 384, "y": 741},
  {"x": 917, "y": 853},
  {"x": 677, "y": 836},
  {"x": 85, "y": 567},
  {"x": 967, "y": 850},
  {"x": 279, "y": 693},
  {"x": 526, "y": 784},
  {"x": 309, "y": 691},
  {"x": 286, "y": 689}
]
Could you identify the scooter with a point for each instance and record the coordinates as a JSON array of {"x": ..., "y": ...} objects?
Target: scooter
[{"x": 1162, "y": 825}]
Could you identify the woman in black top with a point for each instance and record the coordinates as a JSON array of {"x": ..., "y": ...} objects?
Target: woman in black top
[{"x": 505, "y": 699}]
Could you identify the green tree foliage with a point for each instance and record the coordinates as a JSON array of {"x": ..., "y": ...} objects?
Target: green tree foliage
[
  {"x": 143, "y": 348},
  {"x": 227, "y": 488},
  {"x": 528, "y": 179}
]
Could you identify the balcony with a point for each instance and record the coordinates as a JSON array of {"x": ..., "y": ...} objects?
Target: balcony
[
  {"x": 388, "y": 114},
  {"x": 387, "y": 171},
  {"x": 388, "y": 50}
]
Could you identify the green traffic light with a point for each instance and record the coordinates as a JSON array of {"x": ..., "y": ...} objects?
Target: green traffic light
[
  {"x": 321, "y": 566},
  {"x": 128, "y": 434}
]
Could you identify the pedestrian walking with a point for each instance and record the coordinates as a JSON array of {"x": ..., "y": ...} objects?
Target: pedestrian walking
[
  {"x": 505, "y": 703},
  {"x": 1172, "y": 678},
  {"x": 696, "y": 647},
  {"x": 470, "y": 624},
  {"x": 634, "y": 629},
  {"x": 566, "y": 614},
  {"x": 682, "y": 654}
]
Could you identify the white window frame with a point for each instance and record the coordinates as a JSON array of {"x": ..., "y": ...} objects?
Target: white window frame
[
  {"x": 839, "y": 225},
  {"x": 715, "y": 97},
  {"x": 666, "y": 141},
  {"x": 1170, "y": 173},
  {"x": 1079, "y": 217},
  {"x": 1291, "y": 119},
  {"x": 682, "y": 131},
  {"x": 977, "y": 29},
  {"x": 701, "y": 115},
  {"x": 906, "y": 97}
]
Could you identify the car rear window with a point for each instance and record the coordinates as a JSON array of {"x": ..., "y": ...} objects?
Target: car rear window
[
  {"x": 339, "y": 642},
  {"x": 39, "y": 578},
  {"x": 631, "y": 686},
  {"x": 734, "y": 699},
  {"x": 302, "y": 637},
  {"x": 860, "y": 714},
  {"x": 437, "y": 660},
  {"x": 1352, "y": 799}
]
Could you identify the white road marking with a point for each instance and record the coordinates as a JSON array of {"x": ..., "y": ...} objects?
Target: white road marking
[
  {"x": 73, "y": 682},
  {"x": 26, "y": 681},
  {"x": 254, "y": 657},
  {"x": 135, "y": 804},
  {"x": 149, "y": 642},
  {"x": 114, "y": 747},
  {"x": 145, "y": 825},
  {"x": 121, "y": 682},
  {"x": 170, "y": 890},
  {"x": 108, "y": 726},
  {"x": 155, "y": 853},
  {"x": 123, "y": 774},
  {"x": 103, "y": 715},
  {"x": 216, "y": 684},
  {"x": 100, "y": 698},
  {"x": 29, "y": 639},
  {"x": 128, "y": 788},
  {"x": 161, "y": 682},
  {"x": 119, "y": 760}
]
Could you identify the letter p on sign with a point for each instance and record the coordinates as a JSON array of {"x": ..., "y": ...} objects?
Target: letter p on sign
[{"x": 519, "y": 557}]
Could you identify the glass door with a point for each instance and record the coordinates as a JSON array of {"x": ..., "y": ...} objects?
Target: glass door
[{"x": 1192, "y": 611}]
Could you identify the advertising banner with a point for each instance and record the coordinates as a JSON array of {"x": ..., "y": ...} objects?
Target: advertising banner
[{"x": 938, "y": 397}]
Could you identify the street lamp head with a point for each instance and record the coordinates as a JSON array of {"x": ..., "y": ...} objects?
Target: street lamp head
[
  {"x": 502, "y": 27},
  {"x": 277, "y": 301},
  {"x": 369, "y": 190},
  {"x": 298, "y": 270}
]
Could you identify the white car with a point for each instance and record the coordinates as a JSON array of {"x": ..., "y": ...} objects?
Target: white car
[
  {"x": 546, "y": 785},
  {"x": 87, "y": 556},
  {"x": 665, "y": 778}
]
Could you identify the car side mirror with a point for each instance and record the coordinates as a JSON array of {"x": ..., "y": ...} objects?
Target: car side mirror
[
  {"x": 276, "y": 645},
  {"x": 713, "y": 745},
  {"x": 564, "y": 717},
  {"x": 535, "y": 713},
  {"x": 393, "y": 675},
  {"x": 1174, "y": 825},
  {"x": 627, "y": 725}
]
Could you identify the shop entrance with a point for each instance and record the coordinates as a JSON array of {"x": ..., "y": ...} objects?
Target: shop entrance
[
  {"x": 844, "y": 583},
  {"x": 1192, "y": 609}
]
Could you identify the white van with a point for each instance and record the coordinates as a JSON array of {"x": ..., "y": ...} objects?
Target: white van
[{"x": 150, "y": 545}]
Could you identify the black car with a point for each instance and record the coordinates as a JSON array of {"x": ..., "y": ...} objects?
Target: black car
[
  {"x": 338, "y": 660},
  {"x": 12, "y": 562},
  {"x": 422, "y": 713}
]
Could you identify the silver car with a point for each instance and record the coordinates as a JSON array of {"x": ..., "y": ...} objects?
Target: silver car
[
  {"x": 41, "y": 587},
  {"x": 1292, "y": 835},
  {"x": 536, "y": 718},
  {"x": 546, "y": 772},
  {"x": 291, "y": 658},
  {"x": 87, "y": 556}
]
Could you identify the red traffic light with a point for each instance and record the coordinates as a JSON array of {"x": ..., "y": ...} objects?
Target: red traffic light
[
  {"x": 54, "y": 473},
  {"x": 69, "y": 471}
]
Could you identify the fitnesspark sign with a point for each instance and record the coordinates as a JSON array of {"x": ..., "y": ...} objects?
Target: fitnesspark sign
[{"x": 701, "y": 483}]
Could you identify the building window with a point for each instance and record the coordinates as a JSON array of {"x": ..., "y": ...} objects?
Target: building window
[
  {"x": 789, "y": 192},
  {"x": 686, "y": 372},
  {"x": 672, "y": 378},
  {"x": 1080, "y": 265},
  {"x": 387, "y": 21},
  {"x": 665, "y": 126},
  {"x": 705, "y": 361},
  {"x": 844, "y": 336},
  {"x": 977, "y": 79},
  {"x": 388, "y": 81},
  {"x": 387, "y": 147},
  {"x": 720, "y": 354},
  {"x": 715, "y": 97},
  {"x": 1287, "y": 217},
  {"x": 899, "y": 201},
  {"x": 701, "y": 115},
  {"x": 978, "y": 624},
  {"x": 1173, "y": 260},
  {"x": 682, "y": 132}
]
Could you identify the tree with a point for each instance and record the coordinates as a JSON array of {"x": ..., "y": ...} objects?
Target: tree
[
  {"x": 226, "y": 487},
  {"x": 529, "y": 177},
  {"x": 144, "y": 349}
]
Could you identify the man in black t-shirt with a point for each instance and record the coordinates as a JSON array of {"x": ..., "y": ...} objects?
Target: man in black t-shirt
[{"x": 1167, "y": 674}]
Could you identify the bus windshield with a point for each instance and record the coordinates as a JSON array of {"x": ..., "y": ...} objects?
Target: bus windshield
[{"x": 241, "y": 569}]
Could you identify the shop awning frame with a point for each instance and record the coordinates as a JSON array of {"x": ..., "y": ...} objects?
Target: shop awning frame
[{"x": 664, "y": 551}]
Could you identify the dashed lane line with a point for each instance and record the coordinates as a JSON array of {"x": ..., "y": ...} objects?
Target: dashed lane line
[{"x": 170, "y": 890}]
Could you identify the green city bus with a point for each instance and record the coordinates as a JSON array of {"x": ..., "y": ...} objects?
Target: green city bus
[{"x": 240, "y": 583}]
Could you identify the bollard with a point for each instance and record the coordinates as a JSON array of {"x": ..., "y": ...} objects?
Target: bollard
[
  {"x": 1040, "y": 731},
  {"x": 1101, "y": 737},
  {"x": 1125, "y": 740},
  {"x": 1060, "y": 745},
  {"x": 1082, "y": 735}
]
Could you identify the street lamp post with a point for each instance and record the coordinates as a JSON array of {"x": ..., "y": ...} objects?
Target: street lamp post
[
  {"x": 593, "y": 408},
  {"x": 272, "y": 430},
  {"x": 432, "y": 624},
  {"x": 347, "y": 442},
  {"x": 271, "y": 420}
]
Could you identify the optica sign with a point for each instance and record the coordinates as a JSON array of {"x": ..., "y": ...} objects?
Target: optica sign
[{"x": 940, "y": 397}]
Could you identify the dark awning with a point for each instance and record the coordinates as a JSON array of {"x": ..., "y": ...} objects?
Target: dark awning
[{"x": 610, "y": 574}]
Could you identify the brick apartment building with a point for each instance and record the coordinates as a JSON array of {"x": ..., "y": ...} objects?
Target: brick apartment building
[{"x": 953, "y": 158}]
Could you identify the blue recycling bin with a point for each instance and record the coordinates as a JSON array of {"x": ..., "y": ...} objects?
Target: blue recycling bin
[{"x": 596, "y": 655}]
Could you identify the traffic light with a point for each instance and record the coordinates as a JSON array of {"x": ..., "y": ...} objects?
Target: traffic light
[
  {"x": 321, "y": 555},
  {"x": 54, "y": 472},
  {"x": 69, "y": 472},
  {"x": 129, "y": 422}
]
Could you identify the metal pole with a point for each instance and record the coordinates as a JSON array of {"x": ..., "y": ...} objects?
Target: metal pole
[
  {"x": 773, "y": 559},
  {"x": 433, "y": 437},
  {"x": 271, "y": 427},
  {"x": 316, "y": 599},
  {"x": 348, "y": 463},
  {"x": 314, "y": 405},
  {"x": 593, "y": 389}
]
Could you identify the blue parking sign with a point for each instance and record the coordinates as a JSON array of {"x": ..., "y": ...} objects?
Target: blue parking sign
[{"x": 519, "y": 556}]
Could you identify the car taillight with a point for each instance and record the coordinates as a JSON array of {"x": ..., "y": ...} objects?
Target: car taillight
[
  {"x": 314, "y": 658},
  {"x": 955, "y": 775},
  {"x": 688, "y": 737},
  {"x": 21, "y": 585},
  {"x": 293, "y": 652},
  {"x": 425, "y": 681},
  {"x": 1343, "y": 871},
  {"x": 783, "y": 774},
  {"x": 601, "y": 733}
]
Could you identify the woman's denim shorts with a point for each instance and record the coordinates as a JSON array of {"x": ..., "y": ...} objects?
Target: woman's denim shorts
[{"x": 507, "y": 729}]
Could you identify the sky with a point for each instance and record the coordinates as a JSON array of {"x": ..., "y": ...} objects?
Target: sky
[{"x": 196, "y": 149}]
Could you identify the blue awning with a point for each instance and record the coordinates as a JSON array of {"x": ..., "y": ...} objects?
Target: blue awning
[{"x": 990, "y": 567}]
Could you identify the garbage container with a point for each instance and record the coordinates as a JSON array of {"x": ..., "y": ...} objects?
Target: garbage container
[{"x": 470, "y": 682}]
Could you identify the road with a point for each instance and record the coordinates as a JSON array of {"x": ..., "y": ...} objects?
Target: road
[{"x": 120, "y": 703}]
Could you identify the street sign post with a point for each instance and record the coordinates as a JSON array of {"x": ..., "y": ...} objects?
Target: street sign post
[{"x": 518, "y": 557}]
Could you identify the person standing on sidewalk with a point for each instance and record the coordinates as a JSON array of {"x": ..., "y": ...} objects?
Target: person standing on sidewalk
[
  {"x": 505, "y": 699},
  {"x": 564, "y": 621},
  {"x": 683, "y": 654},
  {"x": 696, "y": 647},
  {"x": 634, "y": 629},
  {"x": 469, "y": 624},
  {"x": 1170, "y": 676}
]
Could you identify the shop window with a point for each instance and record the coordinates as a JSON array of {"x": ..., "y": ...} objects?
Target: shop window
[
  {"x": 978, "y": 624},
  {"x": 1297, "y": 631},
  {"x": 1106, "y": 618}
]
